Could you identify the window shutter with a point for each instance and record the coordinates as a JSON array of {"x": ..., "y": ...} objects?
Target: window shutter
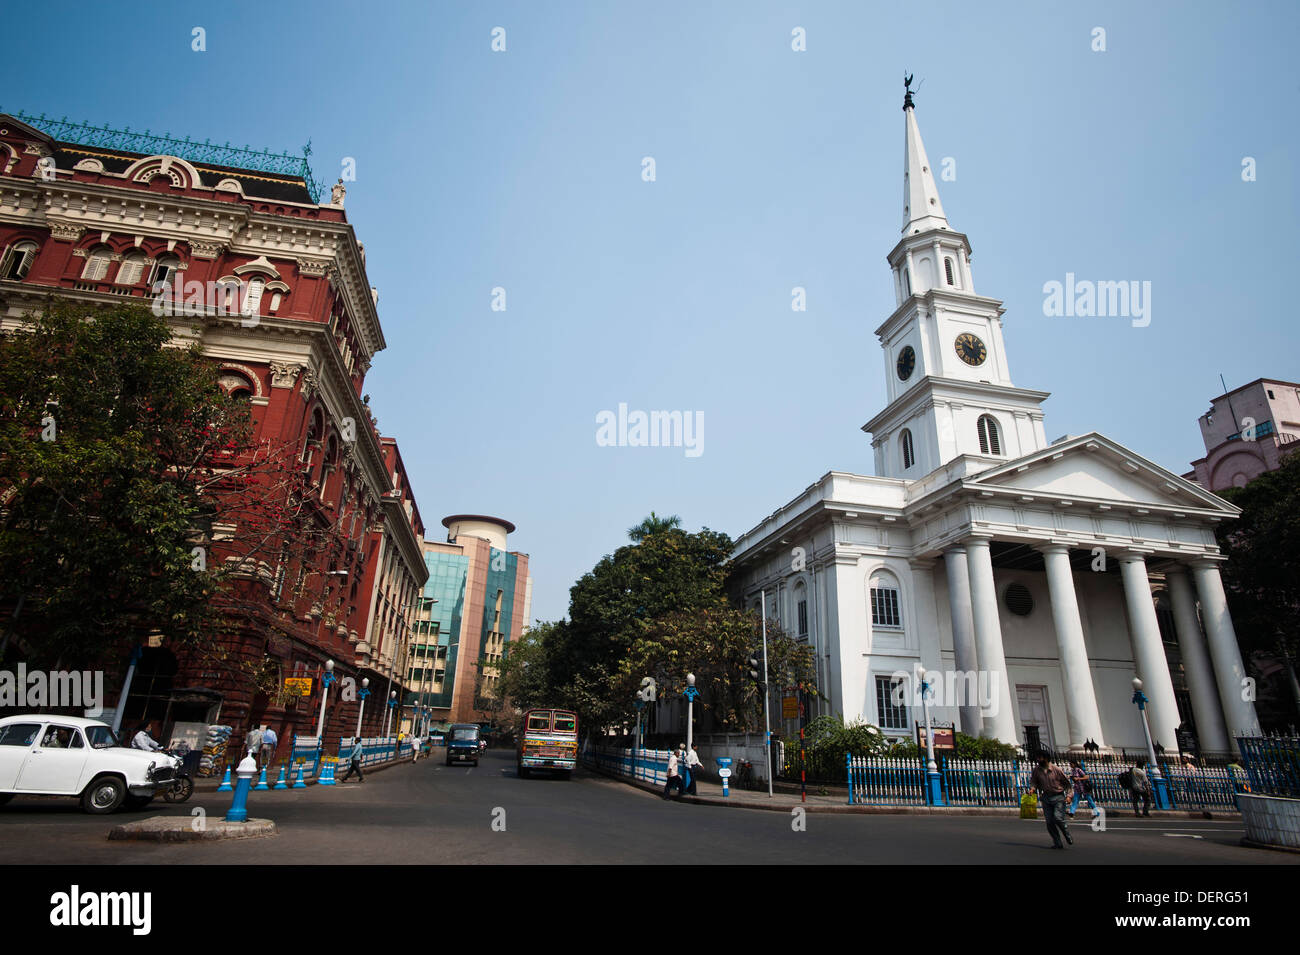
[
  {"x": 130, "y": 270},
  {"x": 253, "y": 297},
  {"x": 96, "y": 266}
]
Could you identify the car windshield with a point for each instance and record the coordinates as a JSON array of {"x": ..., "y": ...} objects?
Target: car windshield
[
  {"x": 101, "y": 737},
  {"x": 464, "y": 732}
]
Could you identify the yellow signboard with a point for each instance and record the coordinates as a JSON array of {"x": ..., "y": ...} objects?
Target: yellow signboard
[
  {"x": 789, "y": 707},
  {"x": 297, "y": 685}
]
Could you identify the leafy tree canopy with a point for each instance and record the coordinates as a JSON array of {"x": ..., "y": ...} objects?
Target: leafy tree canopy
[{"x": 107, "y": 437}]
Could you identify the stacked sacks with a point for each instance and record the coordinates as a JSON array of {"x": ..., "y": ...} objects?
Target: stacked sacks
[{"x": 214, "y": 749}]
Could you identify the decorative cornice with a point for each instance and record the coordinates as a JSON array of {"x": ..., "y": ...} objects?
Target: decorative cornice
[
  {"x": 313, "y": 267},
  {"x": 65, "y": 231}
]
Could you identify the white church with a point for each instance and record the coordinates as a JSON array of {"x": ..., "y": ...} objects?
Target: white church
[{"x": 1034, "y": 580}]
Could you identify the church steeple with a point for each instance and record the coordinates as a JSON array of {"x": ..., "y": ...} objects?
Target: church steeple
[
  {"x": 922, "y": 209},
  {"x": 946, "y": 373}
]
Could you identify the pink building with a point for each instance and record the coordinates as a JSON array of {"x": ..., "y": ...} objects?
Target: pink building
[{"x": 1247, "y": 432}]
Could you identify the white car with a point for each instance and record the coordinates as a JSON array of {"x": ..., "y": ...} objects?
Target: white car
[{"x": 42, "y": 755}]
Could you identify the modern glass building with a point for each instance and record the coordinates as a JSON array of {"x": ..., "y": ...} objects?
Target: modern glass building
[{"x": 476, "y": 601}]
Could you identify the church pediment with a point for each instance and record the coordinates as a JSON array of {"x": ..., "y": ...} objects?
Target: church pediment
[{"x": 1098, "y": 469}]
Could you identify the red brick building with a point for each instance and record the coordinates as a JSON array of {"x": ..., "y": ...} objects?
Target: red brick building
[{"x": 272, "y": 284}]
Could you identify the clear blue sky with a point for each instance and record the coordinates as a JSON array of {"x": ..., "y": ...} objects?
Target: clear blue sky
[{"x": 522, "y": 169}]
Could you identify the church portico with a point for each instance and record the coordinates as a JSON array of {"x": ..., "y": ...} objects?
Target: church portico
[{"x": 991, "y": 558}]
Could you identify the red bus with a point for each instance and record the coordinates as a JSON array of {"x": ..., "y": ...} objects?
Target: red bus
[{"x": 548, "y": 740}]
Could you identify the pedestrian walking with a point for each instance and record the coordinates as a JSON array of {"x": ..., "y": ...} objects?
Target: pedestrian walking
[
  {"x": 1082, "y": 788},
  {"x": 1139, "y": 787},
  {"x": 269, "y": 743},
  {"x": 253, "y": 743},
  {"x": 1052, "y": 784},
  {"x": 674, "y": 780},
  {"x": 355, "y": 766},
  {"x": 693, "y": 765},
  {"x": 416, "y": 743}
]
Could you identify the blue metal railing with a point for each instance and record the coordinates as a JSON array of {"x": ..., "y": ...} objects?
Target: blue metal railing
[{"x": 1272, "y": 764}]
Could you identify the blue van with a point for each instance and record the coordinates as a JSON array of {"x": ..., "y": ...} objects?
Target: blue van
[{"x": 462, "y": 743}]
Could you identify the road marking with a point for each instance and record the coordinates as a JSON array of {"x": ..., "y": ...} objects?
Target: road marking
[
  {"x": 1167, "y": 831},
  {"x": 1179, "y": 835}
]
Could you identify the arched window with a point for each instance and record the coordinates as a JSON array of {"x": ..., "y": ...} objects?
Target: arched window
[
  {"x": 909, "y": 456},
  {"x": 885, "y": 605},
  {"x": 164, "y": 270},
  {"x": 990, "y": 439},
  {"x": 131, "y": 270},
  {"x": 18, "y": 259},
  {"x": 236, "y": 385},
  {"x": 96, "y": 265},
  {"x": 949, "y": 271},
  {"x": 253, "y": 296}
]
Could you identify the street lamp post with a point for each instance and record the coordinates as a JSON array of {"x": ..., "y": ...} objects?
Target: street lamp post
[
  {"x": 365, "y": 692},
  {"x": 1158, "y": 784},
  {"x": 691, "y": 694},
  {"x": 325, "y": 682},
  {"x": 934, "y": 787},
  {"x": 392, "y": 702}
]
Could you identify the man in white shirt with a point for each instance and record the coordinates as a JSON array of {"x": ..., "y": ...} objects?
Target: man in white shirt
[
  {"x": 693, "y": 766},
  {"x": 144, "y": 741},
  {"x": 674, "y": 780},
  {"x": 416, "y": 742}
]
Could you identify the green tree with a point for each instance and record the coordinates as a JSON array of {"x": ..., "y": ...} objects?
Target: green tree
[
  {"x": 1262, "y": 574},
  {"x": 107, "y": 439},
  {"x": 653, "y": 525}
]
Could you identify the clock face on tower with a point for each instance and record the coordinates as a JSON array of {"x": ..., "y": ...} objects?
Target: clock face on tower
[
  {"x": 970, "y": 349},
  {"x": 906, "y": 363}
]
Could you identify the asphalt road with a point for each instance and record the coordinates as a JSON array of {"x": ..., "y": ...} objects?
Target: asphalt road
[{"x": 431, "y": 813}]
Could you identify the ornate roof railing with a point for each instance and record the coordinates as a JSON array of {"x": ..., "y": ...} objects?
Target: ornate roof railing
[{"x": 152, "y": 144}]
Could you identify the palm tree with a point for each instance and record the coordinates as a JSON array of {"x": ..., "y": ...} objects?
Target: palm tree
[{"x": 654, "y": 524}]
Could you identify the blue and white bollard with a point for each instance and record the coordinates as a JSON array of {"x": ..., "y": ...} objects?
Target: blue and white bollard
[
  {"x": 724, "y": 771},
  {"x": 225, "y": 786},
  {"x": 327, "y": 775},
  {"x": 261, "y": 781},
  {"x": 300, "y": 784},
  {"x": 282, "y": 782},
  {"x": 239, "y": 808}
]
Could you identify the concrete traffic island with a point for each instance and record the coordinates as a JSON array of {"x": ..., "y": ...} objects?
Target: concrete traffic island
[{"x": 183, "y": 829}]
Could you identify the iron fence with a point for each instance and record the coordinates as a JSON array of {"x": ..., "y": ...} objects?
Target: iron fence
[{"x": 1272, "y": 764}]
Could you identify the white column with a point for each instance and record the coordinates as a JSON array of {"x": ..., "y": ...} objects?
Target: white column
[
  {"x": 963, "y": 631},
  {"x": 1229, "y": 670},
  {"x": 925, "y": 620},
  {"x": 1149, "y": 651},
  {"x": 1201, "y": 685},
  {"x": 1080, "y": 698},
  {"x": 999, "y": 718}
]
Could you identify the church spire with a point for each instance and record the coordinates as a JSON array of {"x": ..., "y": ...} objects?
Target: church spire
[{"x": 922, "y": 209}]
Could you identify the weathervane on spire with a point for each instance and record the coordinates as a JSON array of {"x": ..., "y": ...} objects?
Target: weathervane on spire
[{"x": 908, "y": 91}]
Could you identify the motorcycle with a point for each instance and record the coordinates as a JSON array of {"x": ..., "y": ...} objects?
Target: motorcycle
[{"x": 182, "y": 786}]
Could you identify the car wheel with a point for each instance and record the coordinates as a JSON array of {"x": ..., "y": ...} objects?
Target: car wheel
[
  {"x": 448, "y": 760},
  {"x": 134, "y": 803},
  {"x": 522, "y": 772},
  {"x": 566, "y": 773},
  {"x": 103, "y": 795}
]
